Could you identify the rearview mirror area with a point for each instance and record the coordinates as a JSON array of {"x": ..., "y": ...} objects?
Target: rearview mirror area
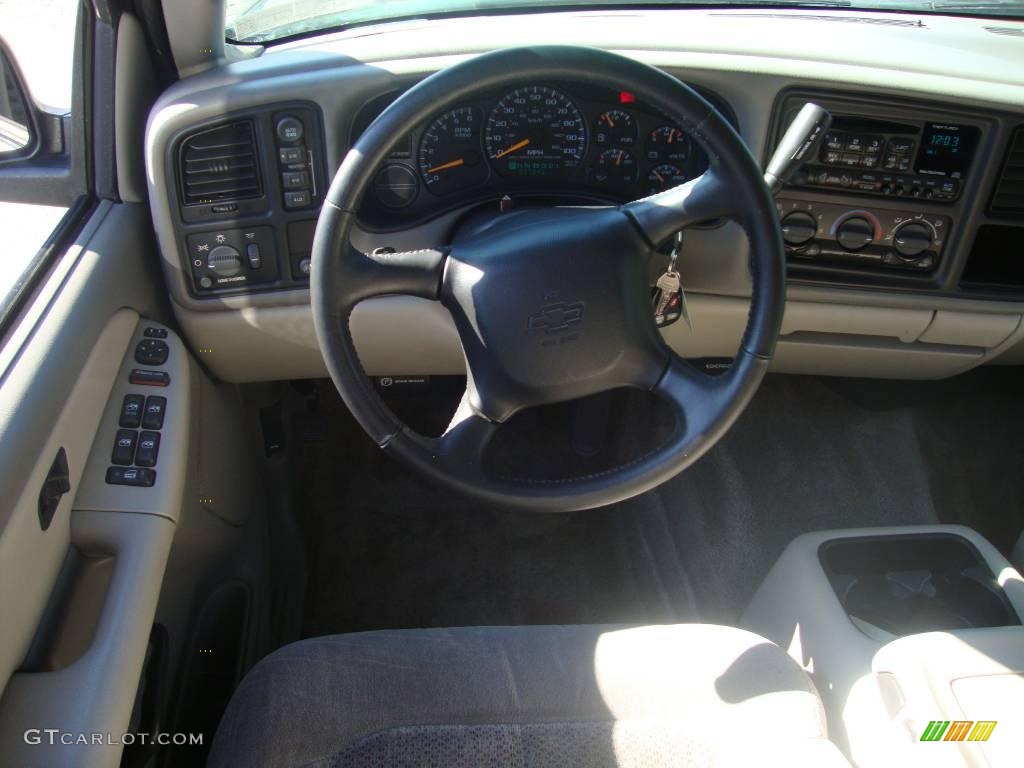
[{"x": 17, "y": 135}]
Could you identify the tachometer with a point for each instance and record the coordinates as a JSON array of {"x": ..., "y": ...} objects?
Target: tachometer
[
  {"x": 535, "y": 132},
  {"x": 449, "y": 154}
]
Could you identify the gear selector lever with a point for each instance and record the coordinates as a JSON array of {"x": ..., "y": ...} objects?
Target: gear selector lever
[{"x": 798, "y": 144}]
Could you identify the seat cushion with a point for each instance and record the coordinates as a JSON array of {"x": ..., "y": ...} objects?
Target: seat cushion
[{"x": 536, "y": 697}]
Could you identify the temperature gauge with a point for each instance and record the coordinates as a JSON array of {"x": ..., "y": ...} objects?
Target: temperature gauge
[
  {"x": 667, "y": 144},
  {"x": 615, "y": 167}
]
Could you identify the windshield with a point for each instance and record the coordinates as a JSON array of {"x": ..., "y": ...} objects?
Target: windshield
[{"x": 264, "y": 21}]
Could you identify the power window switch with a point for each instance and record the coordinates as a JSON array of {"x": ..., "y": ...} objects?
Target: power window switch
[
  {"x": 149, "y": 447},
  {"x": 124, "y": 447},
  {"x": 131, "y": 411},
  {"x": 142, "y": 478},
  {"x": 153, "y": 416}
]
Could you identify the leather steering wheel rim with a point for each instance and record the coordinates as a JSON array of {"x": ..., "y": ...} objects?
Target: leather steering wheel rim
[{"x": 733, "y": 188}]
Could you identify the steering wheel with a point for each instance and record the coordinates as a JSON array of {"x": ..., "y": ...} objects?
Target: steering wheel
[{"x": 551, "y": 304}]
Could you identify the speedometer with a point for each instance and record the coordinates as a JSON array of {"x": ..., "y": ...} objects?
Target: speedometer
[{"x": 535, "y": 132}]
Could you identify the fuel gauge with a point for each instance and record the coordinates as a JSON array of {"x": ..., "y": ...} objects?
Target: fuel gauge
[
  {"x": 667, "y": 144},
  {"x": 615, "y": 127}
]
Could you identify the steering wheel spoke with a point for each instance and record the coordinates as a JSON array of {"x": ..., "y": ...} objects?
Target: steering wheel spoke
[
  {"x": 662, "y": 215},
  {"x": 695, "y": 396},
  {"x": 382, "y": 272}
]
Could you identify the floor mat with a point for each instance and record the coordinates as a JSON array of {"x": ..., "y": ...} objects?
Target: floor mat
[{"x": 387, "y": 550}]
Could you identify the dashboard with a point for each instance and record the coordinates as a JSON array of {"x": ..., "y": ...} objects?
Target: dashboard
[
  {"x": 556, "y": 141},
  {"x": 903, "y": 234}
]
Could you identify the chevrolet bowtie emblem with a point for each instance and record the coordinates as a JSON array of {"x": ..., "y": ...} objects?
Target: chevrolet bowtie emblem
[{"x": 555, "y": 318}]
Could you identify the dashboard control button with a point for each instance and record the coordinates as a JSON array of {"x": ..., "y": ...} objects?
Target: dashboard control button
[
  {"x": 143, "y": 478},
  {"x": 855, "y": 233},
  {"x": 911, "y": 240},
  {"x": 124, "y": 447},
  {"x": 834, "y": 141},
  {"x": 297, "y": 199},
  {"x": 304, "y": 266},
  {"x": 295, "y": 180},
  {"x": 224, "y": 207},
  {"x": 205, "y": 282},
  {"x": 224, "y": 261},
  {"x": 149, "y": 448},
  {"x": 153, "y": 414},
  {"x": 290, "y": 155},
  {"x": 131, "y": 411},
  {"x": 151, "y": 352},
  {"x": 155, "y": 333},
  {"x": 149, "y": 378},
  {"x": 290, "y": 130},
  {"x": 798, "y": 227},
  {"x": 252, "y": 254}
]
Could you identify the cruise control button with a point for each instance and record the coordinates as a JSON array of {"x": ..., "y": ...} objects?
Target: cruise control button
[
  {"x": 149, "y": 447},
  {"x": 124, "y": 447},
  {"x": 131, "y": 411},
  {"x": 143, "y": 478},
  {"x": 156, "y": 407}
]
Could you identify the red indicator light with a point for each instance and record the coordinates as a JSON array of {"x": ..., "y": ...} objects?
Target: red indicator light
[{"x": 625, "y": 97}]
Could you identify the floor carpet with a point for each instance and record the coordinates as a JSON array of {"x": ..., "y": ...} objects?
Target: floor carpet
[{"x": 387, "y": 550}]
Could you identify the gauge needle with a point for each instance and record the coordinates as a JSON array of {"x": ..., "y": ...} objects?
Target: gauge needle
[
  {"x": 655, "y": 172},
  {"x": 607, "y": 118},
  {"x": 618, "y": 158},
  {"x": 518, "y": 145},
  {"x": 446, "y": 166}
]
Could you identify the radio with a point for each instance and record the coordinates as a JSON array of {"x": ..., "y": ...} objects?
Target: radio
[
  {"x": 883, "y": 158},
  {"x": 889, "y": 239}
]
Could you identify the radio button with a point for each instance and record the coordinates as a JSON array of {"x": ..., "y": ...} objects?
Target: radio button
[{"x": 834, "y": 141}]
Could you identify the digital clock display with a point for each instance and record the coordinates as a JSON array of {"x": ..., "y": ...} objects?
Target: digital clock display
[{"x": 946, "y": 150}]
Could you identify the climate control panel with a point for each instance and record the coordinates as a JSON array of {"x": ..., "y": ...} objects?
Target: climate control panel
[{"x": 869, "y": 237}]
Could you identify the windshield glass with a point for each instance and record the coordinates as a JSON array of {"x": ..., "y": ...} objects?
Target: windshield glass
[{"x": 263, "y": 21}]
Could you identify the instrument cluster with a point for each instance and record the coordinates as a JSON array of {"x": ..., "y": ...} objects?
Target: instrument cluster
[{"x": 573, "y": 142}]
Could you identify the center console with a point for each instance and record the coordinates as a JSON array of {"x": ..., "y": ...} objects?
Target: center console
[
  {"x": 886, "y": 192},
  {"x": 847, "y": 604}
]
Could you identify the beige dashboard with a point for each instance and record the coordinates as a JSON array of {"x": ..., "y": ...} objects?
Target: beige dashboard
[{"x": 749, "y": 60}]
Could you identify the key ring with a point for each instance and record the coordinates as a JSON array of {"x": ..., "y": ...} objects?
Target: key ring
[{"x": 675, "y": 252}]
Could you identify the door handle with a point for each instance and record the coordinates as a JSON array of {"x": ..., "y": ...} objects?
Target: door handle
[{"x": 57, "y": 483}]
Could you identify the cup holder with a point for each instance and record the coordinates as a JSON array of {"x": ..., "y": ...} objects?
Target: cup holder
[{"x": 905, "y": 584}]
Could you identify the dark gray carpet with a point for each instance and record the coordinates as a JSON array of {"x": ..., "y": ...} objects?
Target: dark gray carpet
[{"x": 388, "y": 550}]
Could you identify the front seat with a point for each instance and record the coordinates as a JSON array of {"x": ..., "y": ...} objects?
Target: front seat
[{"x": 531, "y": 697}]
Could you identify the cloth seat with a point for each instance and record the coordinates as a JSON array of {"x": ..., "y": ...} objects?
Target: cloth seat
[{"x": 531, "y": 697}]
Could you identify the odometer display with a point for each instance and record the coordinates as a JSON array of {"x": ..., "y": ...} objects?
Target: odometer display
[
  {"x": 535, "y": 132},
  {"x": 449, "y": 153}
]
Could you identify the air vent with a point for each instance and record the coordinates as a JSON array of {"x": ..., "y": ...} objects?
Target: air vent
[
  {"x": 220, "y": 164},
  {"x": 1008, "y": 198}
]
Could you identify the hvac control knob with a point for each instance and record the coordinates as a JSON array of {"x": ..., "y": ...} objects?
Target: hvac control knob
[
  {"x": 798, "y": 228},
  {"x": 911, "y": 240},
  {"x": 855, "y": 233},
  {"x": 224, "y": 261}
]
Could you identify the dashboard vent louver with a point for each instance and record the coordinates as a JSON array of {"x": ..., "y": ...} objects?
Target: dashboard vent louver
[
  {"x": 220, "y": 164},
  {"x": 1008, "y": 197}
]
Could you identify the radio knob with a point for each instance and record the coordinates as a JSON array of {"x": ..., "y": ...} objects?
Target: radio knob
[
  {"x": 798, "y": 228},
  {"x": 911, "y": 240},
  {"x": 225, "y": 261},
  {"x": 855, "y": 233}
]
